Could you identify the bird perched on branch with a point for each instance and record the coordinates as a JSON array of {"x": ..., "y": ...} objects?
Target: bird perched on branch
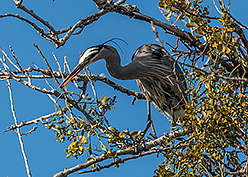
[{"x": 158, "y": 76}]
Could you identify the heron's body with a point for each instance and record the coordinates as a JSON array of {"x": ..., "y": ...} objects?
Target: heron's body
[
  {"x": 164, "y": 85},
  {"x": 158, "y": 76}
]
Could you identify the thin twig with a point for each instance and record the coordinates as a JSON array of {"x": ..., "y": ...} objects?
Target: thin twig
[
  {"x": 14, "y": 56},
  {"x": 177, "y": 82},
  {"x": 44, "y": 58},
  {"x": 30, "y": 131},
  {"x": 91, "y": 82},
  {"x": 60, "y": 70},
  {"x": 158, "y": 39},
  {"x": 35, "y": 121},
  {"x": 153, "y": 131},
  {"x": 13, "y": 64},
  {"x": 216, "y": 7},
  {"x": 18, "y": 130},
  {"x": 66, "y": 65}
]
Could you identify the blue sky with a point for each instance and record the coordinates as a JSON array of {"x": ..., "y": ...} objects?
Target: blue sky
[{"x": 47, "y": 156}]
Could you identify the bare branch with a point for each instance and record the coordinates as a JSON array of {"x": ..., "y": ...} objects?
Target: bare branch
[
  {"x": 5, "y": 75},
  {"x": 31, "y": 12},
  {"x": 18, "y": 130},
  {"x": 113, "y": 85},
  {"x": 184, "y": 35},
  {"x": 38, "y": 29},
  {"x": 118, "y": 161},
  {"x": 80, "y": 24},
  {"x": 35, "y": 121},
  {"x": 44, "y": 58},
  {"x": 30, "y": 131},
  {"x": 100, "y": 3},
  {"x": 106, "y": 6},
  {"x": 120, "y": 2}
]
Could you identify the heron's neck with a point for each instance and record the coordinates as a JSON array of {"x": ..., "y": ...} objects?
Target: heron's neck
[{"x": 113, "y": 64}]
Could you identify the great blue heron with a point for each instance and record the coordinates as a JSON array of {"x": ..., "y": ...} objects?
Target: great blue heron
[{"x": 158, "y": 76}]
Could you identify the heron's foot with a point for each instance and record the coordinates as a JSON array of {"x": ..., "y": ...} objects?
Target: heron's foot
[{"x": 148, "y": 125}]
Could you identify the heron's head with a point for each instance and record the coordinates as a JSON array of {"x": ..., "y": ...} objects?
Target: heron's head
[
  {"x": 96, "y": 53},
  {"x": 91, "y": 55}
]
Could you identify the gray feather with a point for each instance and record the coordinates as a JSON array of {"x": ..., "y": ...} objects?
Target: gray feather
[{"x": 159, "y": 82}]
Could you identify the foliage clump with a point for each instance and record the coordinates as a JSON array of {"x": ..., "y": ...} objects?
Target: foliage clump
[{"x": 216, "y": 115}]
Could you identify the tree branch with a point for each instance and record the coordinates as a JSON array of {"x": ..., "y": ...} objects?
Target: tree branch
[
  {"x": 31, "y": 12},
  {"x": 80, "y": 24},
  {"x": 35, "y": 121},
  {"x": 111, "y": 84},
  {"x": 80, "y": 77},
  {"x": 184, "y": 35},
  {"x": 241, "y": 34},
  {"x": 132, "y": 150},
  {"x": 38, "y": 29},
  {"x": 105, "y": 6}
]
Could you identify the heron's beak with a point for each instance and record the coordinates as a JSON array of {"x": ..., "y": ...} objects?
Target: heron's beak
[{"x": 74, "y": 72}]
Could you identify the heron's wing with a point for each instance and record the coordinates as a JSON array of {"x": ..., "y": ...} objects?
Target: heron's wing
[
  {"x": 150, "y": 60},
  {"x": 148, "y": 50},
  {"x": 163, "y": 81}
]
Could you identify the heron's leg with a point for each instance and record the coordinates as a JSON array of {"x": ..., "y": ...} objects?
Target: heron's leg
[
  {"x": 149, "y": 111},
  {"x": 172, "y": 112},
  {"x": 149, "y": 119}
]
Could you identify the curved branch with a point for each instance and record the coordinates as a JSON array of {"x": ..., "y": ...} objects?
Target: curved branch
[
  {"x": 132, "y": 150},
  {"x": 39, "y": 30},
  {"x": 31, "y": 12},
  {"x": 118, "y": 161},
  {"x": 105, "y": 6},
  {"x": 80, "y": 24},
  {"x": 184, "y": 35}
]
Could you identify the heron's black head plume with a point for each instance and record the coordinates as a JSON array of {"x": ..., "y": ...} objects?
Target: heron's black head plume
[
  {"x": 114, "y": 41},
  {"x": 91, "y": 52}
]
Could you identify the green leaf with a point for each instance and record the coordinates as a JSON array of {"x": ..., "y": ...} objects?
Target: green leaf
[
  {"x": 68, "y": 156},
  {"x": 190, "y": 25},
  {"x": 103, "y": 98},
  {"x": 103, "y": 147},
  {"x": 122, "y": 134}
]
